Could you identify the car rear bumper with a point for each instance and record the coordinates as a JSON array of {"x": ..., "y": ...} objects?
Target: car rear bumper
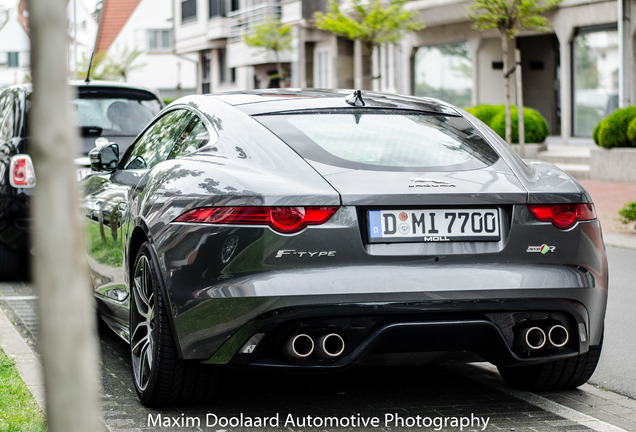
[
  {"x": 391, "y": 310},
  {"x": 15, "y": 223}
]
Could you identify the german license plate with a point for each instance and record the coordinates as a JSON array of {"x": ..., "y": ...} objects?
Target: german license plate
[{"x": 433, "y": 225}]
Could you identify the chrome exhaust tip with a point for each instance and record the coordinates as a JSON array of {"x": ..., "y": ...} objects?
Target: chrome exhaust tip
[
  {"x": 558, "y": 336},
  {"x": 330, "y": 345},
  {"x": 531, "y": 338},
  {"x": 299, "y": 346}
]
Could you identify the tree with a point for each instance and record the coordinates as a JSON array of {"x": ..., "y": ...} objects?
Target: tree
[
  {"x": 373, "y": 23},
  {"x": 509, "y": 17},
  {"x": 112, "y": 67},
  {"x": 67, "y": 341},
  {"x": 272, "y": 35}
]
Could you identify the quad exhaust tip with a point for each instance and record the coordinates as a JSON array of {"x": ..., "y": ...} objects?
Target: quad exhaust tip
[
  {"x": 300, "y": 346},
  {"x": 330, "y": 345},
  {"x": 533, "y": 338},
  {"x": 558, "y": 336}
]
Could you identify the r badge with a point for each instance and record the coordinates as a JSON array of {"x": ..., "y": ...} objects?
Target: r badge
[{"x": 543, "y": 249}]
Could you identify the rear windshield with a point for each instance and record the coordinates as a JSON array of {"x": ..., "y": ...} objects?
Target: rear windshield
[
  {"x": 383, "y": 141},
  {"x": 116, "y": 112}
]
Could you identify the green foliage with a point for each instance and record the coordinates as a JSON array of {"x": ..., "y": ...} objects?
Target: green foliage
[
  {"x": 486, "y": 113},
  {"x": 628, "y": 212},
  {"x": 271, "y": 35},
  {"x": 595, "y": 133},
  {"x": 612, "y": 130},
  {"x": 631, "y": 132},
  {"x": 114, "y": 67},
  {"x": 535, "y": 126},
  {"x": 105, "y": 250},
  {"x": 18, "y": 410},
  {"x": 510, "y": 16},
  {"x": 373, "y": 22}
]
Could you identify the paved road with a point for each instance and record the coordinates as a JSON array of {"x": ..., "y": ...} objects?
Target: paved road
[
  {"x": 434, "y": 393},
  {"x": 617, "y": 367}
]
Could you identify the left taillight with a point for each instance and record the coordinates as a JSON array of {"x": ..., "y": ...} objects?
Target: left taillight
[
  {"x": 21, "y": 172},
  {"x": 286, "y": 220},
  {"x": 563, "y": 216}
]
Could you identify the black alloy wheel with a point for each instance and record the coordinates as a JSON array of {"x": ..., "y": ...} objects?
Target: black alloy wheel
[{"x": 161, "y": 377}]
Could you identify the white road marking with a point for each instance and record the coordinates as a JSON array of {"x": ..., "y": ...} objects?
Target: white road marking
[{"x": 547, "y": 404}]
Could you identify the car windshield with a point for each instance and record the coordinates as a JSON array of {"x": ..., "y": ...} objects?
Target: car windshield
[
  {"x": 116, "y": 115},
  {"x": 393, "y": 141}
]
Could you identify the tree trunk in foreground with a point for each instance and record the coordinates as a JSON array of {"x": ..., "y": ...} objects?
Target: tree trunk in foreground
[{"x": 67, "y": 340}]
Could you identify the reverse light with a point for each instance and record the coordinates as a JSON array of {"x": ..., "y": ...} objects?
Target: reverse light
[
  {"x": 563, "y": 216},
  {"x": 21, "y": 172},
  {"x": 286, "y": 220}
]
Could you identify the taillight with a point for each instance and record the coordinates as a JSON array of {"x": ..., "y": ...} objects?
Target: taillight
[
  {"x": 21, "y": 172},
  {"x": 286, "y": 220},
  {"x": 563, "y": 216}
]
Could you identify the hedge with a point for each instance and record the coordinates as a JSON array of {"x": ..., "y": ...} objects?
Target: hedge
[
  {"x": 535, "y": 126},
  {"x": 631, "y": 132},
  {"x": 616, "y": 130},
  {"x": 485, "y": 113}
]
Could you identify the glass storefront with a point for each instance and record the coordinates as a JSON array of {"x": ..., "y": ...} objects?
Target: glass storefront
[
  {"x": 595, "y": 73},
  {"x": 444, "y": 72}
]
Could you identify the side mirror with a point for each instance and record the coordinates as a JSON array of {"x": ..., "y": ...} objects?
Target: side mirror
[{"x": 104, "y": 158}]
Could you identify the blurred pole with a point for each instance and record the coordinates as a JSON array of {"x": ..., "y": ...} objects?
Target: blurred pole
[
  {"x": 520, "y": 125},
  {"x": 67, "y": 339},
  {"x": 625, "y": 53}
]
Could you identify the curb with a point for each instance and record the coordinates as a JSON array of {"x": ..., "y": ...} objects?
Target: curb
[
  {"x": 27, "y": 363},
  {"x": 621, "y": 241}
]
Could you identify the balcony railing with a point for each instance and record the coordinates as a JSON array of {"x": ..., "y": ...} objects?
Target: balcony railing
[{"x": 244, "y": 20}]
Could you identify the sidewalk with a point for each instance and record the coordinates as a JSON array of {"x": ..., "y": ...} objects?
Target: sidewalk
[{"x": 608, "y": 198}]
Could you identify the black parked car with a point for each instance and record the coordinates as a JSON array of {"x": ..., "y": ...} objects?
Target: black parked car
[
  {"x": 104, "y": 112},
  {"x": 315, "y": 230}
]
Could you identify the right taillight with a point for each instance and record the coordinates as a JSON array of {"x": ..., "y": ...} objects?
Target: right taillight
[
  {"x": 563, "y": 216},
  {"x": 21, "y": 172}
]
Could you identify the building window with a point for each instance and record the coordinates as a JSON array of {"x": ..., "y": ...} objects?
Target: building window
[
  {"x": 222, "y": 71},
  {"x": 159, "y": 40},
  {"x": 216, "y": 8},
  {"x": 13, "y": 59},
  {"x": 595, "y": 66},
  {"x": 188, "y": 10},
  {"x": 226, "y": 76},
  {"x": 234, "y": 5},
  {"x": 444, "y": 72},
  {"x": 206, "y": 85}
]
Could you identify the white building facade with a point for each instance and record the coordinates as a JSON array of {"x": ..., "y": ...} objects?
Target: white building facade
[
  {"x": 149, "y": 31},
  {"x": 574, "y": 75},
  {"x": 15, "y": 48}
]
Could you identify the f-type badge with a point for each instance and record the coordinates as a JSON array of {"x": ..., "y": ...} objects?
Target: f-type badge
[
  {"x": 544, "y": 249},
  {"x": 429, "y": 183}
]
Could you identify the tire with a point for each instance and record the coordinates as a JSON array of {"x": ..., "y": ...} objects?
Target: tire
[
  {"x": 9, "y": 261},
  {"x": 558, "y": 375},
  {"x": 161, "y": 378}
]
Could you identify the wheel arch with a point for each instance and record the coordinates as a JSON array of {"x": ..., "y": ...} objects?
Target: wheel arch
[{"x": 137, "y": 239}]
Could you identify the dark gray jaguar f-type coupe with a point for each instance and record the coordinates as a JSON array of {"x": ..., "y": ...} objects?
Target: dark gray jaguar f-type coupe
[{"x": 316, "y": 230}]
